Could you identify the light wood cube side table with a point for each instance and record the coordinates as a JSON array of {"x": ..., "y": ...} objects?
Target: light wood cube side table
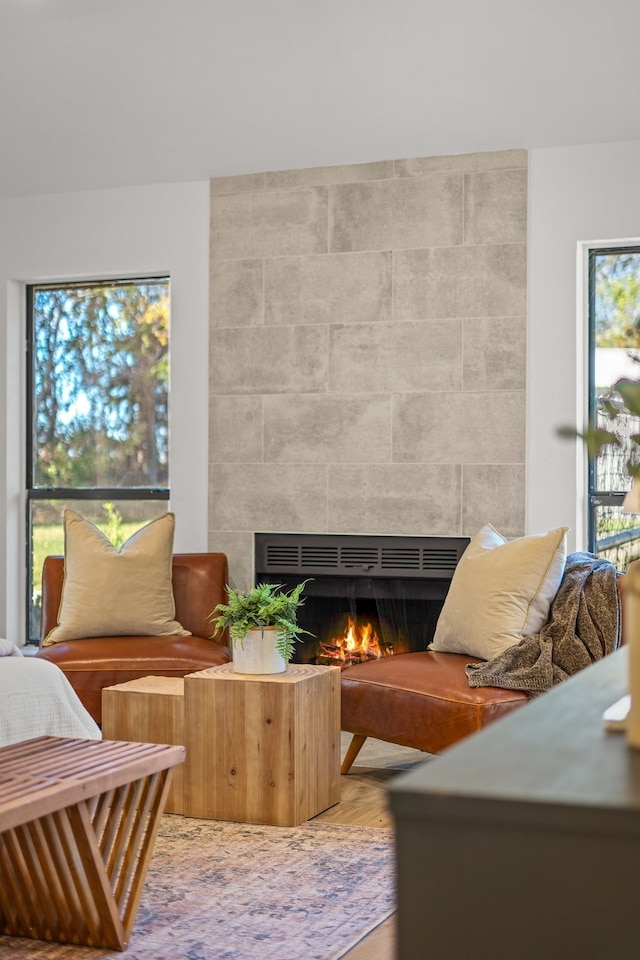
[
  {"x": 148, "y": 710},
  {"x": 262, "y": 749}
]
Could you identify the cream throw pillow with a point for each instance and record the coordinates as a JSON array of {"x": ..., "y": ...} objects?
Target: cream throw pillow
[
  {"x": 116, "y": 593},
  {"x": 500, "y": 592}
]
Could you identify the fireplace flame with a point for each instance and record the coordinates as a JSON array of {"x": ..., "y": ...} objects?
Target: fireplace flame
[{"x": 358, "y": 643}]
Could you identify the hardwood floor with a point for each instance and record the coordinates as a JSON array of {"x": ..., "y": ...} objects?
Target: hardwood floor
[{"x": 364, "y": 801}]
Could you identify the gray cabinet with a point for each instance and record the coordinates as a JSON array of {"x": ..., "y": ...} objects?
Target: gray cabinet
[{"x": 523, "y": 841}]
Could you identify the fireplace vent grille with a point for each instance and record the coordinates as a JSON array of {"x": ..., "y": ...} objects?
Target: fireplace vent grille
[
  {"x": 318, "y": 557},
  {"x": 371, "y": 556}
]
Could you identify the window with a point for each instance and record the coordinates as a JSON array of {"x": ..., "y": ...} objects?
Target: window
[
  {"x": 614, "y": 352},
  {"x": 97, "y": 413}
]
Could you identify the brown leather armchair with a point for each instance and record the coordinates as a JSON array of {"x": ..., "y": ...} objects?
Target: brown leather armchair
[
  {"x": 421, "y": 700},
  {"x": 199, "y": 583}
]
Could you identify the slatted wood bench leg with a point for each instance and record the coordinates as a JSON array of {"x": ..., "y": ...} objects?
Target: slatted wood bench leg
[{"x": 62, "y": 880}]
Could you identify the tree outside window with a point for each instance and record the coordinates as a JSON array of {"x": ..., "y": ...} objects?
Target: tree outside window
[{"x": 98, "y": 401}]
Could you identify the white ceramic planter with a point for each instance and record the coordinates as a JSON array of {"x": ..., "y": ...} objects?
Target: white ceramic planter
[{"x": 258, "y": 652}]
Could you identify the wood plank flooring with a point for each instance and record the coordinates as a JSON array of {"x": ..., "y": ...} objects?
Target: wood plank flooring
[{"x": 364, "y": 802}]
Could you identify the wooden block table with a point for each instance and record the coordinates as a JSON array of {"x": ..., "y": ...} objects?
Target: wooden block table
[
  {"x": 150, "y": 709},
  {"x": 78, "y": 821},
  {"x": 262, "y": 749}
]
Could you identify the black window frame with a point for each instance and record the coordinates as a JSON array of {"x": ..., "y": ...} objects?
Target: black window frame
[
  {"x": 598, "y": 498},
  {"x": 33, "y": 493}
]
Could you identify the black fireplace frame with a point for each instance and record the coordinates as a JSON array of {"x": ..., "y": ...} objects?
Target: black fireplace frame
[{"x": 361, "y": 567}]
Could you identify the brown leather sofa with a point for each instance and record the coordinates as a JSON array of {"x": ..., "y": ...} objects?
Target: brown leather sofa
[{"x": 199, "y": 583}]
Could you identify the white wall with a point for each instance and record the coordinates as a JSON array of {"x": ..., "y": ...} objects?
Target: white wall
[
  {"x": 578, "y": 196},
  {"x": 110, "y": 233}
]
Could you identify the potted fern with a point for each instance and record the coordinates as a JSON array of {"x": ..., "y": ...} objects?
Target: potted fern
[{"x": 262, "y": 624}]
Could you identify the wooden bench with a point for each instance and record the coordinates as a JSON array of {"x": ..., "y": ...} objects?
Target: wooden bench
[{"x": 78, "y": 822}]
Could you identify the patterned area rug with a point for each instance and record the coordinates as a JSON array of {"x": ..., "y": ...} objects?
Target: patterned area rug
[{"x": 230, "y": 891}]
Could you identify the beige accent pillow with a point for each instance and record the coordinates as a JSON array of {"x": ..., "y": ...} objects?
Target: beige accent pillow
[
  {"x": 501, "y": 591},
  {"x": 116, "y": 593}
]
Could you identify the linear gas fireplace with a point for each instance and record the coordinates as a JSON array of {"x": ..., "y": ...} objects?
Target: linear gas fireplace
[{"x": 367, "y": 596}]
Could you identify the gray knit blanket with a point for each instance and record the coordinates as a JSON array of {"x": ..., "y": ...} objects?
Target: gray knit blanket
[{"x": 584, "y": 625}]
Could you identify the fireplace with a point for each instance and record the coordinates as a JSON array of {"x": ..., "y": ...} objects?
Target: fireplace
[{"x": 367, "y": 596}]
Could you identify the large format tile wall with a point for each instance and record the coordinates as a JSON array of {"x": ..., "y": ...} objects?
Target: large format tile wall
[{"x": 367, "y": 350}]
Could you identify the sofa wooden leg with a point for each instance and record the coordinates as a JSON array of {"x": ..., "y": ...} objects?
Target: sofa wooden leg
[{"x": 353, "y": 750}]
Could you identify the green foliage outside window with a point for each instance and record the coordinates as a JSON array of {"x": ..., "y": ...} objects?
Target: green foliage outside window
[
  {"x": 101, "y": 385},
  {"x": 617, "y": 296}
]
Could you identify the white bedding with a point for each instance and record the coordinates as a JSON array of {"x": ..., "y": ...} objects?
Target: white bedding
[{"x": 37, "y": 700}]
